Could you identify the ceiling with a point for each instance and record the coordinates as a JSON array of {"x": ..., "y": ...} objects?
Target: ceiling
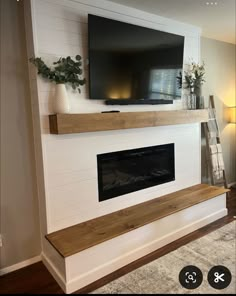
[{"x": 216, "y": 18}]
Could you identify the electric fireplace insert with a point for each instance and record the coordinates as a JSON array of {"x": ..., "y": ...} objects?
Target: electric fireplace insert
[{"x": 127, "y": 171}]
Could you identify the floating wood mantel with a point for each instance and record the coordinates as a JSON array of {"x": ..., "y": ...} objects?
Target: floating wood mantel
[{"x": 93, "y": 122}]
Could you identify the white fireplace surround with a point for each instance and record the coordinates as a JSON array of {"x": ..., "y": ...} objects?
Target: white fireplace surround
[{"x": 72, "y": 188}]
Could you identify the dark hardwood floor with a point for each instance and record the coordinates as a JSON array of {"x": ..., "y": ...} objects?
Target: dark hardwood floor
[{"x": 35, "y": 279}]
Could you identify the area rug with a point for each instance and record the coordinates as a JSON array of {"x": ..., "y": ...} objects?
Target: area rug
[{"x": 162, "y": 275}]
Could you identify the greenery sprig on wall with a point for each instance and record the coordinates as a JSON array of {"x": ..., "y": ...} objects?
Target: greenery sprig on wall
[{"x": 66, "y": 70}]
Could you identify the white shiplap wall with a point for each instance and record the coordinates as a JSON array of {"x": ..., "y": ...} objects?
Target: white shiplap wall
[{"x": 70, "y": 173}]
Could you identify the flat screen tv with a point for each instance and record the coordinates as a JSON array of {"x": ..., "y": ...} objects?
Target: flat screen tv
[{"x": 130, "y": 64}]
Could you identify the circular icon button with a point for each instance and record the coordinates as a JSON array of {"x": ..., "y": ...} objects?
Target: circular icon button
[
  {"x": 219, "y": 277},
  {"x": 190, "y": 277}
]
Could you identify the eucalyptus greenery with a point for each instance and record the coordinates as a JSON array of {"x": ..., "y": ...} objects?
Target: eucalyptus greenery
[{"x": 66, "y": 70}]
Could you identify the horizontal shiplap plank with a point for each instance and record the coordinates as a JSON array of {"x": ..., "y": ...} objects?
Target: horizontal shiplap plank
[
  {"x": 58, "y": 24},
  {"x": 58, "y": 11},
  {"x": 64, "y": 49},
  {"x": 62, "y": 37}
]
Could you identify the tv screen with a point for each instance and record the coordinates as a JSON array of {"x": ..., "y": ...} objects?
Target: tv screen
[{"x": 133, "y": 64}]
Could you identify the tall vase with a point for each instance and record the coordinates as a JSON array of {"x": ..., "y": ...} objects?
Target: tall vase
[
  {"x": 191, "y": 99},
  {"x": 61, "y": 100},
  {"x": 197, "y": 91}
]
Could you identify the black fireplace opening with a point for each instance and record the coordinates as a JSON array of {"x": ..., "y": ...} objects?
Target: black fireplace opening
[{"x": 127, "y": 171}]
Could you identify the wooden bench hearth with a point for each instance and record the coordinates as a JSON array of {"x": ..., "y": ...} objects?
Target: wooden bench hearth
[{"x": 77, "y": 238}]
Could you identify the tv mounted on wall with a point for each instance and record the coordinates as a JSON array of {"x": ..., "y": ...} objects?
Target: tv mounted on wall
[{"x": 130, "y": 64}]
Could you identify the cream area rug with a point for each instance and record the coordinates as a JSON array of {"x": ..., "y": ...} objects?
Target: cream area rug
[{"x": 162, "y": 275}]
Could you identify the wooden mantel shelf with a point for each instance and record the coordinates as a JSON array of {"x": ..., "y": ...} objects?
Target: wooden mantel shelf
[{"x": 92, "y": 122}]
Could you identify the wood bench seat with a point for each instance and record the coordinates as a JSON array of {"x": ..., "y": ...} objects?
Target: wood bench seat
[{"x": 77, "y": 238}]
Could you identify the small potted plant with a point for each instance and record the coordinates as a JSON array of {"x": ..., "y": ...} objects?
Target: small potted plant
[{"x": 65, "y": 71}]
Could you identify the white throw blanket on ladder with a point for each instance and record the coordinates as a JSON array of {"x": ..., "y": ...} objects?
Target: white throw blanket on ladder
[
  {"x": 215, "y": 147},
  {"x": 217, "y": 160}
]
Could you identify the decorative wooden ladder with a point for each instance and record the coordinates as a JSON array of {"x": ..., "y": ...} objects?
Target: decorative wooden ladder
[{"x": 213, "y": 140}]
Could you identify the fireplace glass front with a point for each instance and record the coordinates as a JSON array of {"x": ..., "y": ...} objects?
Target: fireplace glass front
[{"x": 127, "y": 171}]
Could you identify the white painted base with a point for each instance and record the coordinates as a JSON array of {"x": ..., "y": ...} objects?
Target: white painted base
[
  {"x": 96, "y": 262},
  {"x": 20, "y": 265}
]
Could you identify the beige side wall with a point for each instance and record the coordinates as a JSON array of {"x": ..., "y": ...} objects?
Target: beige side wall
[
  {"x": 19, "y": 221},
  {"x": 219, "y": 58}
]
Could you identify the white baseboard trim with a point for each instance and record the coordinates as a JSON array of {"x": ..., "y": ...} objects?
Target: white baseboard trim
[
  {"x": 20, "y": 265},
  {"x": 54, "y": 271},
  {"x": 75, "y": 284}
]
